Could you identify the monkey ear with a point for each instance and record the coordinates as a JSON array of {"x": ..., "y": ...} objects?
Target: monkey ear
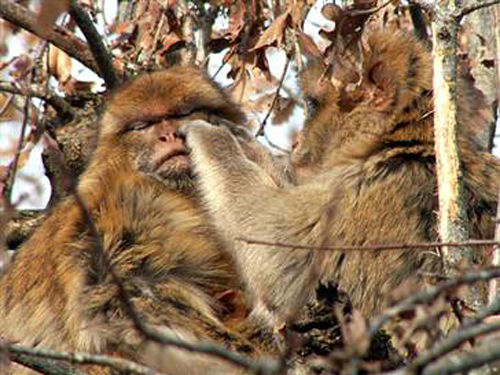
[
  {"x": 234, "y": 305},
  {"x": 379, "y": 75}
]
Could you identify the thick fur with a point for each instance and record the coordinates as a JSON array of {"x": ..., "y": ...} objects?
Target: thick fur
[
  {"x": 59, "y": 294},
  {"x": 365, "y": 168}
]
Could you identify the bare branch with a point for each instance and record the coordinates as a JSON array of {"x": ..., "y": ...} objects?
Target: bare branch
[
  {"x": 432, "y": 293},
  {"x": 493, "y": 291},
  {"x": 461, "y": 363},
  {"x": 275, "y": 100},
  {"x": 452, "y": 342},
  {"x": 62, "y": 107},
  {"x": 43, "y": 365},
  {"x": 374, "y": 247},
  {"x": 95, "y": 43},
  {"x": 58, "y": 36},
  {"x": 472, "y": 8},
  {"x": 120, "y": 364},
  {"x": 15, "y": 163}
]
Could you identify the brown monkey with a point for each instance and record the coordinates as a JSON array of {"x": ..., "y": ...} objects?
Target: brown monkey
[
  {"x": 366, "y": 174},
  {"x": 139, "y": 191}
]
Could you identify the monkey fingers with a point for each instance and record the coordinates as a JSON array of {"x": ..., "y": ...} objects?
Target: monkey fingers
[{"x": 217, "y": 156}]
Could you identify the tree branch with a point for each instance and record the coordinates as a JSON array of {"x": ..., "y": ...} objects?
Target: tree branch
[
  {"x": 461, "y": 363},
  {"x": 95, "y": 43},
  {"x": 432, "y": 293},
  {"x": 62, "y": 107},
  {"x": 452, "y": 342},
  {"x": 493, "y": 291},
  {"x": 42, "y": 365},
  {"x": 58, "y": 36},
  {"x": 373, "y": 247},
  {"x": 116, "y": 363},
  {"x": 275, "y": 100},
  {"x": 472, "y": 8}
]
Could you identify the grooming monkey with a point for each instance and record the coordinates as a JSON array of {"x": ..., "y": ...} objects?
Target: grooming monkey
[
  {"x": 365, "y": 171},
  {"x": 139, "y": 193}
]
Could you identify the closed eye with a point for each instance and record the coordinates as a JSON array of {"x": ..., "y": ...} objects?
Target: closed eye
[
  {"x": 144, "y": 124},
  {"x": 140, "y": 125}
]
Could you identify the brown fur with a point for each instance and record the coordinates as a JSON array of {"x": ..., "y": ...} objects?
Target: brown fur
[
  {"x": 59, "y": 294},
  {"x": 382, "y": 150},
  {"x": 366, "y": 174}
]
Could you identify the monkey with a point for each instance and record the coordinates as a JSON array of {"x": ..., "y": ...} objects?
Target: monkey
[
  {"x": 364, "y": 167},
  {"x": 138, "y": 219}
]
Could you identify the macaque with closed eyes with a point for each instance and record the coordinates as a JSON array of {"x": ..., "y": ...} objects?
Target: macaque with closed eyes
[
  {"x": 139, "y": 193},
  {"x": 365, "y": 170}
]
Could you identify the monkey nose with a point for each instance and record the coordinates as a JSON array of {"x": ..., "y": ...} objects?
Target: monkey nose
[{"x": 167, "y": 132}]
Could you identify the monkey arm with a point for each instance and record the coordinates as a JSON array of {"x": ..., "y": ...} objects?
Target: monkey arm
[{"x": 245, "y": 201}]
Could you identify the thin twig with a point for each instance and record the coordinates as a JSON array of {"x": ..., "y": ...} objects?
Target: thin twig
[
  {"x": 120, "y": 364},
  {"x": 372, "y": 247},
  {"x": 6, "y": 104},
  {"x": 495, "y": 261},
  {"x": 430, "y": 294},
  {"x": 15, "y": 163},
  {"x": 260, "y": 132},
  {"x": 43, "y": 365},
  {"x": 452, "y": 342},
  {"x": 486, "y": 353},
  {"x": 472, "y": 8},
  {"x": 219, "y": 69},
  {"x": 58, "y": 36},
  {"x": 61, "y": 106},
  {"x": 274, "y": 145},
  {"x": 95, "y": 43}
]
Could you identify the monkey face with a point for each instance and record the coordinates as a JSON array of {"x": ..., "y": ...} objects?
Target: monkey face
[
  {"x": 143, "y": 118},
  {"x": 158, "y": 149}
]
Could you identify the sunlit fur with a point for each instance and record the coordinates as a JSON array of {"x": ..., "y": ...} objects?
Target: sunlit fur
[
  {"x": 365, "y": 168},
  {"x": 58, "y": 292}
]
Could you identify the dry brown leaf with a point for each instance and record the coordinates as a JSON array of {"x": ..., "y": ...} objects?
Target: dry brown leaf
[
  {"x": 240, "y": 88},
  {"x": 331, "y": 12},
  {"x": 236, "y": 20},
  {"x": 73, "y": 87},
  {"x": 126, "y": 27},
  {"x": 49, "y": 11},
  {"x": 23, "y": 159},
  {"x": 298, "y": 10},
  {"x": 170, "y": 41},
  {"x": 283, "y": 109},
  {"x": 307, "y": 45},
  {"x": 275, "y": 33},
  {"x": 262, "y": 103},
  {"x": 59, "y": 64},
  {"x": 8, "y": 111}
]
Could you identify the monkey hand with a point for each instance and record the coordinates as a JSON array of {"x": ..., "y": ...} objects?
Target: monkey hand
[{"x": 211, "y": 147}]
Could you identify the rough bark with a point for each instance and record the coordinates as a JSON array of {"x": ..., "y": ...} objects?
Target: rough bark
[
  {"x": 482, "y": 48},
  {"x": 452, "y": 215}
]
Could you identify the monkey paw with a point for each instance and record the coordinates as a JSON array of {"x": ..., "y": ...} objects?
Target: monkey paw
[
  {"x": 195, "y": 126},
  {"x": 209, "y": 144}
]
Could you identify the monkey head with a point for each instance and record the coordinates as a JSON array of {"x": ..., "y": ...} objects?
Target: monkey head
[
  {"x": 383, "y": 95},
  {"x": 142, "y": 119}
]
